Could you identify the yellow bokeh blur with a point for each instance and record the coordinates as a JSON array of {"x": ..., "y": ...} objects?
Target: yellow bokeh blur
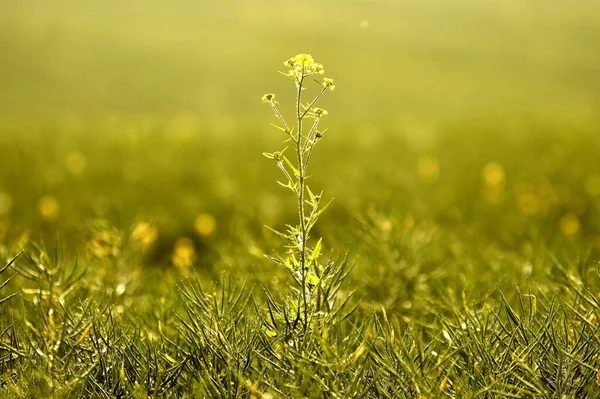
[
  {"x": 494, "y": 180},
  {"x": 76, "y": 162},
  {"x": 592, "y": 185},
  {"x": 205, "y": 224},
  {"x": 493, "y": 175},
  {"x": 48, "y": 207},
  {"x": 105, "y": 243},
  {"x": 184, "y": 253},
  {"x": 6, "y": 202},
  {"x": 428, "y": 169},
  {"x": 144, "y": 235},
  {"x": 529, "y": 204},
  {"x": 184, "y": 125},
  {"x": 569, "y": 224}
]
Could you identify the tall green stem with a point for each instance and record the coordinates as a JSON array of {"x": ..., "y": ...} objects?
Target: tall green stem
[{"x": 303, "y": 238}]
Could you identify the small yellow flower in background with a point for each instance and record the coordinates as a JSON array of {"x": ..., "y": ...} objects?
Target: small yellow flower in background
[
  {"x": 105, "y": 243},
  {"x": 184, "y": 254},
  {"x": 428, "y": 169},
  {"x": 76, "y": 162},
  {"x": 493, "y": 175},
  {"x": 144, "y": 236},
  {"x": 6, "y": 202},
  {"x": 48, "y": 207},
  {"x": 569, "y": 225},
  {"x": 529, "y": 204},
  {"x": 205, "y": 224}
]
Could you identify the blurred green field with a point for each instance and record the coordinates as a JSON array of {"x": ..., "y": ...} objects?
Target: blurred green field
[
  {"x": 418, "y": 61},
  {"x": 462, "y": 153}
]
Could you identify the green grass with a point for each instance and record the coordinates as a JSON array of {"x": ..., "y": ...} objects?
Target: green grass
[
  {"x": 462, "y": 243},
  {"x": 457, "y": 293}
]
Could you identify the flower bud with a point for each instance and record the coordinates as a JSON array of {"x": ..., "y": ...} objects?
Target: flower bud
[{"x": 268, "y": 98}]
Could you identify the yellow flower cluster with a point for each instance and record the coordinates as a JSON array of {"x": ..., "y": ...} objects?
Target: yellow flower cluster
[
  {"x": 328, "y": 83},
  {"x": 303, "y": 65}
]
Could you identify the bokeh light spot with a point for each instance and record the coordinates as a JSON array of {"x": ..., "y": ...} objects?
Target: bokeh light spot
[
  {"x": 48, "y": 207},
  {"x": 205, "y": 224}
]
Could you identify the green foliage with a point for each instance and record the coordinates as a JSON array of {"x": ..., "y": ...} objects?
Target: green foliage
[
  {"x": 476, "y": 278},
  {"x": 3, "y": 284},
  {"x": 316, "y": 280}
]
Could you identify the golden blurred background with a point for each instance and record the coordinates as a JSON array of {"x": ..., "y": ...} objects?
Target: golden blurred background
[
  {"x": 403, "y": 60},
  {"x": 468, "y": 113},
  {"x": 462, "y": 143}
]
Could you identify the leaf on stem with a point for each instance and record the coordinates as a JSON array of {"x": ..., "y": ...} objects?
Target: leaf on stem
[
  {"x": 279, "y": 233},
  {"x": 291, "y": 166},
  {"x": 316, "y": 252},
  {"x": 274, "y": 259}
]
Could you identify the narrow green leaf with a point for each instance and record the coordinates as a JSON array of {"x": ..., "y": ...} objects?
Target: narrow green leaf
[
  {"x": 313, "y": 279},
  {"x": 280, "y": 234},
  {"x": 273, "y": 259},
  {"x": 311, "y": 195},
  {"x": 291, "y": 166},
  {"x": 289, "y": 185},
  {"x": 316, "y": 252},
  {"x": 279, "y": 128}
]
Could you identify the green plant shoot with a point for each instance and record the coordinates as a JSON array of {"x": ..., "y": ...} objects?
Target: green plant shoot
[{"x": 301, "y": 259}]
